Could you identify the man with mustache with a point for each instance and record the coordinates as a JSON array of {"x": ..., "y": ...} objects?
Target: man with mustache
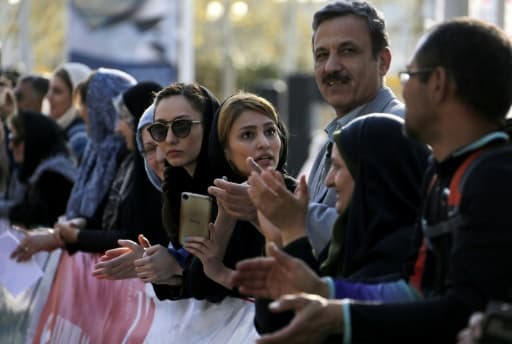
[
  {"x": 352, "y": 56},
  {"x": 351, "y": 53}
]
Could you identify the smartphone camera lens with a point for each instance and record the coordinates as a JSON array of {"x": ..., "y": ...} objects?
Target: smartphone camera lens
[{"x": 185, "y": 197}]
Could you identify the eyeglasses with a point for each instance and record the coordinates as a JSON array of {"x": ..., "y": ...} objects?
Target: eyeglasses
[
  {"x": 405, "y": 75},
  {"x": 180, "y": 128}
]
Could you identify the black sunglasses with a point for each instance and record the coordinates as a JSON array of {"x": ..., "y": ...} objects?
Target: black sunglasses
[{"x": 179, "y": 127}]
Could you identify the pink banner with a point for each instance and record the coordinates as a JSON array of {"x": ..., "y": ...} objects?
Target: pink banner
[{"x": 83, "y": 309}]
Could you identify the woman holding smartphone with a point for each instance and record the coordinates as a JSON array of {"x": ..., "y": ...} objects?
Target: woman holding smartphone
[
  {"x": 183, "y": 114},
  {"x": 246, "y": 126}
]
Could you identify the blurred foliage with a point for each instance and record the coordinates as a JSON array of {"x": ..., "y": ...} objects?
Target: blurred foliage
[
  {"x": 258, "y": 42},
  {"x": 48, "y": 33}
]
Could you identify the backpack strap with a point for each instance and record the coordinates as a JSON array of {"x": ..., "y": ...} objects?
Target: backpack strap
[
  {"x": 458, "y": 179},
  {"x": 456, "y": 189},
  {"x": 454, "y": 197}
]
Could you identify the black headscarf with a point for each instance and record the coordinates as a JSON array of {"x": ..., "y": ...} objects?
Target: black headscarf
[
  {"x": 43, "y": 139},
  {"x": 373, "y": 236},
  {"x": 143, "y": 196},
  {"x": 177, "y": 179},
  {"x": 139, "y": 97}
]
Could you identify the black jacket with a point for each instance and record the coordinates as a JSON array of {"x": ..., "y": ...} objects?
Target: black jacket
[{"x": 463, "y": 270}]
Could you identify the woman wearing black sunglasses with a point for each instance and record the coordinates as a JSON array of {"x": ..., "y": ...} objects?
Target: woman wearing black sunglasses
[{"x": 187, "y": 110}]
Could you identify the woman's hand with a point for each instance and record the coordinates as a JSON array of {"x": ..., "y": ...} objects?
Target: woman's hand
[
  {"x": 276, "y": 275},
  {"x": 269, "y": 230},
  {"x": 285, "y": 210},
  {"x": 157, "y": 266},
  {"x": 211, "y": 251},
  {"x": 68, "y": 232},
  {"x": 233, "y": 197},
  {"x": 118, "y": 263},
  {"x": 35, "y": 241}
]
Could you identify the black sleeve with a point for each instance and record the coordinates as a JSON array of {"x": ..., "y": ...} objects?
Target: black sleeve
[
  {"x": 245, "y": 242},
  {"x": 43, "y": 202},
  {"x": 431, "y": 321},
  {"x": 96, "y": 240},
  {"x": 266, "y": 321},
  {"x": 136, "y": 215},
  {"x": 168, "y": 292},
  {"x": 481, "y": 268}
]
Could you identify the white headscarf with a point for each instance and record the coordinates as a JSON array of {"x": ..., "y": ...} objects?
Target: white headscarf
[{"x": 77, "y": 73}]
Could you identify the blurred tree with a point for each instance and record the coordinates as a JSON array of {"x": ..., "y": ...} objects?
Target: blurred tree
[
  {"x": 44, "y": 39},
  {"x": 259, "y": 41},
  {"x": 48, "y": 33}
]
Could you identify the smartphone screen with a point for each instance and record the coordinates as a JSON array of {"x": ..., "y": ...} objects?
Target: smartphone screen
[{"x": 195, "y": 215}]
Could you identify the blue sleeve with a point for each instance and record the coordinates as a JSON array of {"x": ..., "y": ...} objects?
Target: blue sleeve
[
  {"x": 181, "y": 255},
  {"x": 396, "y": 291}
]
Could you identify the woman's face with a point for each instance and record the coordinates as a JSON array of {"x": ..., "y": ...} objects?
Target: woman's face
[
  {"x": 253, "y": 135},
  {"x": 341, "y": 180},
  {"x": 153, "y": 154},
  {"x": 180, "y": 152},
  {"x": 59, "y": 96},
  {"x": 16, "y": 146},
  {"x": 125, "y": 129}
]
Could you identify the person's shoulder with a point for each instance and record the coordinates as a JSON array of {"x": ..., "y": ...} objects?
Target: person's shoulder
[
  {"x": 395, "y": 107},
  {"x": 491, "y": 172},
  {"x": 387, "y": 102},
  {"x": 52, "y": 177}
]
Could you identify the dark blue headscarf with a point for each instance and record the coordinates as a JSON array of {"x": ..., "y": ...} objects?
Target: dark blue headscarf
[{"x": 100, "y": 160}]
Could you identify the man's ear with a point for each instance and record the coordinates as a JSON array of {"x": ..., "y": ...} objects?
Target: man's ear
[
  {"x": 441, "y": 84},
  {"x": 384, "y": 60}
]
